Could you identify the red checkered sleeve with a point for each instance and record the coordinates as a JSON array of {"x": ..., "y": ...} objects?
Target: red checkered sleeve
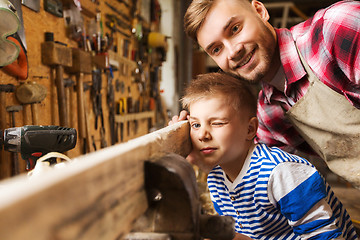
[{"x": 330, "y": 43}]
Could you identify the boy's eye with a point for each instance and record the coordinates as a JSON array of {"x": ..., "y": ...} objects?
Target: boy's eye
[
  {"x": 218, "y": 123},
  {"x": 215, "y": 50},
  {"x": 195, "y": 125}
]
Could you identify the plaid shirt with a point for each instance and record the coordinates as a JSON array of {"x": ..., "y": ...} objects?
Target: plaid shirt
[{"x": 330, "y": 43}]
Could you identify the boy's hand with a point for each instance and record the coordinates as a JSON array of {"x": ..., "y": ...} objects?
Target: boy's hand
[
  {"x": 182, "y": 116},
  {"x": 195, "y": 158}
]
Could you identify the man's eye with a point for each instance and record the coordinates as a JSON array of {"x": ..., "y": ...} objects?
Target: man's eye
[
  {"x": 195, "y": 125},
  {"x": 235, "y": 29}
]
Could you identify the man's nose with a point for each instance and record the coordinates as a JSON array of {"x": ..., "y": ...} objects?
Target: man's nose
[{"x": 234, "y": 50}]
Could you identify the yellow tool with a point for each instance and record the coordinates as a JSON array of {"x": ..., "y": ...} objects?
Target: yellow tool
[{"x": 122, "y": 106}]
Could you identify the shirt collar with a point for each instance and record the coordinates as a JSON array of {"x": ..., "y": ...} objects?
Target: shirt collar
[{"x": 290, "y": 60}]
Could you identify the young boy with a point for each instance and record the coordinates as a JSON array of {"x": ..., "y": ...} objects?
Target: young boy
[{"x": 271, "y": 194}]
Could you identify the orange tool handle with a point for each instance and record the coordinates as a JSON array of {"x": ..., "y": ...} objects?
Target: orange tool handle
[{"x": 18, "y": 68}]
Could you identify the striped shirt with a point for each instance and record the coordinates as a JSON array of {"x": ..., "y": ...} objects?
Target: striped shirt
[
  {"x": 279, "y": 196},
  {"x": 330, "y": 44}
]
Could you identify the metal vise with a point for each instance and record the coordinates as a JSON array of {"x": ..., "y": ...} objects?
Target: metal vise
[{"x": 174, "y": 210}]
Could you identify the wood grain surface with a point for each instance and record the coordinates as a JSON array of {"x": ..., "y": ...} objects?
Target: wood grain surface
[{"x": 96, "y": 196}]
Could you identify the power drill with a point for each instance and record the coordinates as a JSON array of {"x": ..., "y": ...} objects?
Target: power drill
[{"x": 34, "y": 141}]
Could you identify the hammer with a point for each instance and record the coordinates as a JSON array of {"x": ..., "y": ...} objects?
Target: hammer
[
  {"x": 4, "y": 165},
  {"x": 31, "y": 93},
  {"x": 81, "y": 65},
  {"x": 12, "y": 110},
  {"x": 4, "y": 88},
  {"x": 57, "y": 56},
  {"x": 69, "y": 83}
]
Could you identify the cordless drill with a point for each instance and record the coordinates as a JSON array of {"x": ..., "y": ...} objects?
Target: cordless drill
[{"x": 33, "y": 141}]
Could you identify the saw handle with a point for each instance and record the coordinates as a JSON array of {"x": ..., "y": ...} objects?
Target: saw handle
[{"x": 18, "y": 68}]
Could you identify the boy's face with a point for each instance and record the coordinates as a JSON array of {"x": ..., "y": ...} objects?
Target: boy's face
[
  {"x": 239, "y": 39},
  {"x": 219, "y": 134}
]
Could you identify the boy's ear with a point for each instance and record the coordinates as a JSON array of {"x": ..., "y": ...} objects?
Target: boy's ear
[
  {"x": 261, "y": 10},
  {"x": 252, "y": 128}
]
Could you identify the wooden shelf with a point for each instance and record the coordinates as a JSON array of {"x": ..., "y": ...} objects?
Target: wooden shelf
[{"x": 134, "y": 116}]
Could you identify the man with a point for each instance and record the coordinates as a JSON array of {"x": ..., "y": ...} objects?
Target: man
[{"x": 325, "y": 75}]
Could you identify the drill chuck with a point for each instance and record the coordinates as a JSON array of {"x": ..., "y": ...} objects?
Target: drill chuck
[{"x": 12, "y": 139}]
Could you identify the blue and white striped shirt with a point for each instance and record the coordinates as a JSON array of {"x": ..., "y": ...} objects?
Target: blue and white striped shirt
[{"x": 280, "y": 196}]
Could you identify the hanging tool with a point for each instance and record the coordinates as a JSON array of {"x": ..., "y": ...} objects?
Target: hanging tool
[
  {"x": 69, "y": 84},
  {"x": 81, "y": 66},
  {"x": 57, "y": 56},
  {"x": 97, "y": 103},
  {"x": 18, "y": 68},
  {"x": 87, "y": 124},
  {"x": 118, "y": 21},
  {"x": 32, "y": 4},
  {"x": 103, "y": 143},
  {"x": 21, "y": 30},
  {"x": 15, "y": 163},
  {"x": 124, "y": 2},
  {"x": 5, "y": 166},
  {"x": 34, "y": 141},
  {"x": 121, "y": 109},
  {"x": 31, "y": 93},
  {"x": 55, "y": 7},
  {"x": 97, "y": 96},
  {"x": 120, "y": 13},
  {"x": 4, "y": 88},
  {"x": 13, "y": 43},
  {"x": 9, "y": 25},
  {"x": 111, "y": 105},
  {"x": 113, "y": 28}
]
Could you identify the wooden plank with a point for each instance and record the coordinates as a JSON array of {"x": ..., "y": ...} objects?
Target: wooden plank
[{"x": 97, "y": 196}]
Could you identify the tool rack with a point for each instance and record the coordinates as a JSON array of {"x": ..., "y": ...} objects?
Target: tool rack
[{"x": 132, "y": 65}]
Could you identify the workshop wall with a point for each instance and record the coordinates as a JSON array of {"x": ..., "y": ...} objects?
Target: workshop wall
[{"x": 120, "y": 87}]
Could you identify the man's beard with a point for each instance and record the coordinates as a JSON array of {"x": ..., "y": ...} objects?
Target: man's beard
[
  {"x": 260, "y": 72},
  {"x": 254, "y": 80}
]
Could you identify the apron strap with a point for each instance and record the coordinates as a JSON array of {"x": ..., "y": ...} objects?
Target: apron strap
[{"x": 311, "y": 75}]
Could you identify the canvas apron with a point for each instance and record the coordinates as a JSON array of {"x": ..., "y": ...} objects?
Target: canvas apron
[{"x": 331, "y": 125}]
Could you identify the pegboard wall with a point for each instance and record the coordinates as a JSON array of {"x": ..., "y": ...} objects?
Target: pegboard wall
[{"x": 113, "y": 47}]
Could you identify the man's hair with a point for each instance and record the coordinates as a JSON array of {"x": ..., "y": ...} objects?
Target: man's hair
[
  {"x": 237, "y": 93},
  {"x": 196, "y": 14}
]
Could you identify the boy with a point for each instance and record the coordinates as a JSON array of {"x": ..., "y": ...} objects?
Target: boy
[{"x": 271, "y": 194}]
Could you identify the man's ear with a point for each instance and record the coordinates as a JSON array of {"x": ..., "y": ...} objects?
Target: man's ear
[
  {"x": 261, "y": 10},
  {"x": 252, "y": 128}
]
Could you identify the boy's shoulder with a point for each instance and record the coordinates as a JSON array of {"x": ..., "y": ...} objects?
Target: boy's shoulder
[{"x": 264, "y": 154}]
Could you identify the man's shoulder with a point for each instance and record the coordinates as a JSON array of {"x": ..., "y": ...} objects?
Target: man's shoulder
[{"x": 341, "y": 13}]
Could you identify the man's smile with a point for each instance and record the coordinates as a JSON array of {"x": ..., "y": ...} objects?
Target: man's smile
[{"x": 246, "y": 60}]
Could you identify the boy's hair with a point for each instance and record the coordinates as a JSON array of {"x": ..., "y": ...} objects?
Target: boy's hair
[
  {"x": 238, "y": 94},
  {"x": 195, "y": 16}
]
